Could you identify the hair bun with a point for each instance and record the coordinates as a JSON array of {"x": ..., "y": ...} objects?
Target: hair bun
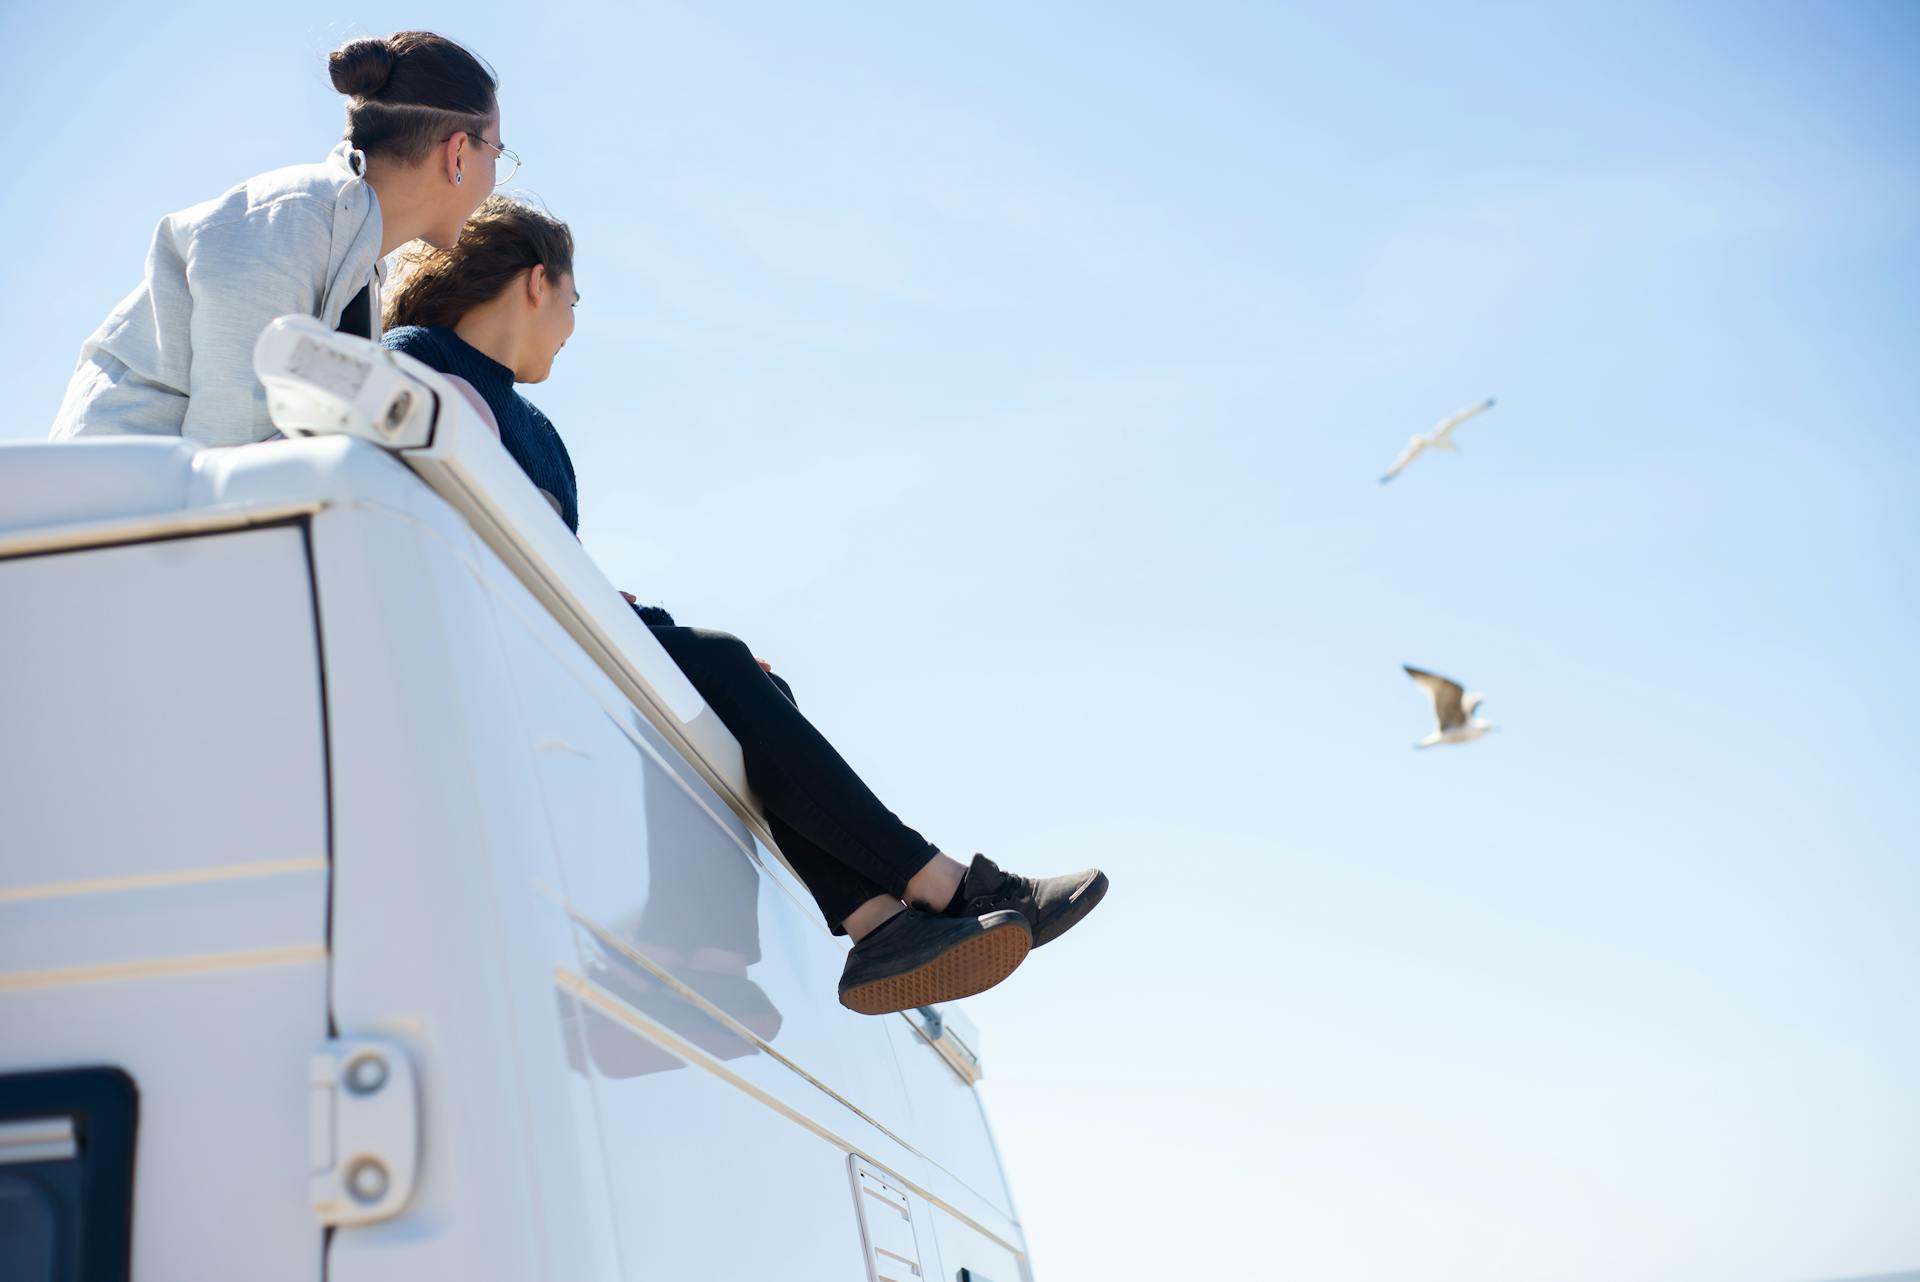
[{"x": 361, "y": 68}]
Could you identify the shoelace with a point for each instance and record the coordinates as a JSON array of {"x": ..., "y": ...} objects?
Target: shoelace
[{"x": 1006, "y": 885}]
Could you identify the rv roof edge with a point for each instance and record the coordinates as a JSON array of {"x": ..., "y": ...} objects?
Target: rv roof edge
[{"x": 159, "y": 525}]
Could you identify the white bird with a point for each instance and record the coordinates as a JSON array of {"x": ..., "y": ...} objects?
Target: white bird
[
  {"x": 1453, "y": 709},
  {"x": 1441, "y": 438}
]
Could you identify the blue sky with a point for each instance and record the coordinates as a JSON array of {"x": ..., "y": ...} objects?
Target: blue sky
[{"x": 1018, "y": 381}]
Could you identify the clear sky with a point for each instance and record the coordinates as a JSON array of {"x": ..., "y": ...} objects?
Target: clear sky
[{"x": 1016, "y": 378}]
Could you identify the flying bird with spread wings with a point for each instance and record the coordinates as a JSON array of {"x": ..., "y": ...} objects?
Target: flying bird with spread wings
[
  {"x": 1453, "y": 709},
  {"x": 1441, "y": 438}
]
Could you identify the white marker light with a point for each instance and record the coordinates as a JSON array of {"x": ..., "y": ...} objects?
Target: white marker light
[{"x": 320, "y": 382}]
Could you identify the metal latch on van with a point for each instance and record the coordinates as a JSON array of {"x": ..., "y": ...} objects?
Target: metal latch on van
[{"x": 364, "y": 1123}]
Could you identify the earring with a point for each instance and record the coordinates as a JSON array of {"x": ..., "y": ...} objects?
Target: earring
[{"x": 457, "y": 178}]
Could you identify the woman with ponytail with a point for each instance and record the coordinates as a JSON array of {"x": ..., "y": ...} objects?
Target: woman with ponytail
[
  {"x": 494, "y": 310},
  {"x": 422, "y": 150}
]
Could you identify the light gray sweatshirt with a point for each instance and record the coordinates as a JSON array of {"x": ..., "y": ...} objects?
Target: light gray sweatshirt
[{"x": 175, "y": 358}]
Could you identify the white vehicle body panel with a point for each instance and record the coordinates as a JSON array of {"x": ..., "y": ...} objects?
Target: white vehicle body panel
[{"x": 289, "y": 749}]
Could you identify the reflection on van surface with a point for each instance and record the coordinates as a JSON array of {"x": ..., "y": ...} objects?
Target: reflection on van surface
[{"x": 336, "y": 752}]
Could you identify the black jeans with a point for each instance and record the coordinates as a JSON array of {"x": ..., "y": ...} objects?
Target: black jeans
[{"x": 845, "y": 845}]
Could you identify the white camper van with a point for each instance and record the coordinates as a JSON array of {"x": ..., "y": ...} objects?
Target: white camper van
[{"x": 378, "y": 901}]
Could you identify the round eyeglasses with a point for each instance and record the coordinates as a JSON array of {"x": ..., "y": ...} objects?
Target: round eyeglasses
[{"x": 511, "y": 158}]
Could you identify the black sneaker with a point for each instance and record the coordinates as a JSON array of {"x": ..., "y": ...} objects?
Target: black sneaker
[
  {"x": 913, "y": 959},
  {"x": 1051, "y": 905}
]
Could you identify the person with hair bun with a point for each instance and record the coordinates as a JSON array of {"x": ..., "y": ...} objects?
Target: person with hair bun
[
  {"x": 422, "y": 149},
  {"x": 493, "y": 310}
]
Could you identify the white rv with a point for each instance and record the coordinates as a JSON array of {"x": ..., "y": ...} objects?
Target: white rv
[{"x": 378, "y": 901}]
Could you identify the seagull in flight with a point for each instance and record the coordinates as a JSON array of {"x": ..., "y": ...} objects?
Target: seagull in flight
[
  {"x": 1441, "y": 438},
  {"x": 1453, "y": 709}
]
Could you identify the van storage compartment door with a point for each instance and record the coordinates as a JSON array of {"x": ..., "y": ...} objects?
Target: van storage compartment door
[{"x": 163, "y": 871}]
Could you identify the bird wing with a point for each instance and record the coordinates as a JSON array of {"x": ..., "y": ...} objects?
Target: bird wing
[
  {"x": 1446, "y": 696},
  {"x": 1407, "y": 456},
  {"x": 1448, "y": 424}
]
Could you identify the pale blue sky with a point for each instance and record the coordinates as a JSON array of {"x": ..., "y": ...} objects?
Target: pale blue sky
[{"x": 1017, "y": 381}]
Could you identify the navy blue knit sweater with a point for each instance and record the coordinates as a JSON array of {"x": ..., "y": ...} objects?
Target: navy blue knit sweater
[{"x": 524, "y": 430}]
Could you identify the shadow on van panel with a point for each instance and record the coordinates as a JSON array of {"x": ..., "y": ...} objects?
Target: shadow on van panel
[
  {"x": 597, "y": 1044},
  {"x": 615, "y": 1048},
  {"x": 699, "y": 924}
]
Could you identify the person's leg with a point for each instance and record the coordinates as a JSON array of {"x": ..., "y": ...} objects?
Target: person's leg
[
  {"x": 851, "y": 903},
  {"x": 901, "y": 957},
  {"x": 805, "y": 783},
  {"x": 872, "y": 915},
  {"x": 842, "y": 894},
  {"x": 968, "y": 927},
  {"x": 802, "y": 780}
]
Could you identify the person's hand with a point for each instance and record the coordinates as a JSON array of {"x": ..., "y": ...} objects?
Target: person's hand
[{"x": 634, "y": 600}]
